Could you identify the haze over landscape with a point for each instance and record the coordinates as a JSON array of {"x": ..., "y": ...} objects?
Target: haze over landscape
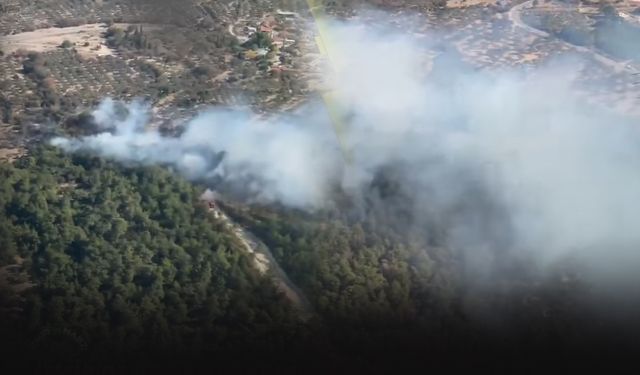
[{"x": 337, "y": 190}]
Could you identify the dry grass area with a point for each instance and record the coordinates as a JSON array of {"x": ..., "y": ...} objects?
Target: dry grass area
[
  {"x": 10, "y": 154},
  {"x": 528, "y": 58},
  {"x": 88, "y": 40},
  {"x": 469, "y": 3}
]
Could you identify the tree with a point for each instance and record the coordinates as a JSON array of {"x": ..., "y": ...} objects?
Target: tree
[
  {"x": 123, "y": 257},
  {"x": 609, "y": 11}
]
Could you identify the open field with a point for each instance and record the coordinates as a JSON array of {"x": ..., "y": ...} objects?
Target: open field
[
  {"x": 88, "y": 40},
  {"x": 10, "y": 154},
  {"x": 469, "y": 3},
  {"x": 18, "y": 16}
]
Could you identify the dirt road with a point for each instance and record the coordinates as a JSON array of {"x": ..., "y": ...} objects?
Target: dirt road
[
  {"x": 515, "y": 16},
  {"x": 265, "y": 263}
]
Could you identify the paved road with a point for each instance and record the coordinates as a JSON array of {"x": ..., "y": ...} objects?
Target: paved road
[{"x": 515, "y": 16}]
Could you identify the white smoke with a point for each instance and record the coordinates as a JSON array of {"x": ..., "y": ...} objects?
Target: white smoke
[
  {"x": 566, "y": 173},
  {"x": 251, "y": 146}
]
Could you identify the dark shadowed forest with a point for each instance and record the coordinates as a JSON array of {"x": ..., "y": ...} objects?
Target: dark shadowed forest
[{"x": 122, "y": 264}]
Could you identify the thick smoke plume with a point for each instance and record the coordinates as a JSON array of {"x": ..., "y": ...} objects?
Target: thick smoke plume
[
  {"x": 505, "y": 161},
  {"x": 247, "y": 146}
]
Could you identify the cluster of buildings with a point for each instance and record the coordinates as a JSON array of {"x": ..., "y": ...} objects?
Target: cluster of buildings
[
  {"x": 278, "y": 28},
  {"x": 279, "y": 38}
]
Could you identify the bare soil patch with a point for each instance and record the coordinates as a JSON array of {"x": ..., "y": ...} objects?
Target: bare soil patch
[
  {"x": 468, "y": 3},
  {"x": 88, "y": 39}
]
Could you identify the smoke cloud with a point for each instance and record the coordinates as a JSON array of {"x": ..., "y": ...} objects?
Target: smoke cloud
[{"x": 506, "y": 162}]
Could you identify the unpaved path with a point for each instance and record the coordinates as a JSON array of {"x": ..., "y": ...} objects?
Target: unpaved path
[
  {"x": 515, "y": 17},
  {"x": 265, "y": 263},
  {"x": 231, "y": 29},
  {"x": 453, "y": 4}
]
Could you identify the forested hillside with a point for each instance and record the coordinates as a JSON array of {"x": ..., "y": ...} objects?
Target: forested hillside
[
  {"x": 389, "y": 294},
  {"x": 125, "y": 261},
  {"x": 120, "y": 264},
  {"x": 360, "y": 271}
]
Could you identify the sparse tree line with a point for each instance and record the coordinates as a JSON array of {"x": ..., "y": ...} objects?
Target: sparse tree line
[
  {"x": 132, "y": 37},
  {"x": 35, "y": 66}
]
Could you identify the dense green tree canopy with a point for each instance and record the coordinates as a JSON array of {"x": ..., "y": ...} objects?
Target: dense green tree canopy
[
  {"x": 127, "y": 258},
  {"x": 124, "y": 262}
]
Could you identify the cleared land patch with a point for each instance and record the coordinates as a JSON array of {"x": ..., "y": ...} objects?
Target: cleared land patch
[{"x": 88, "y": 40}]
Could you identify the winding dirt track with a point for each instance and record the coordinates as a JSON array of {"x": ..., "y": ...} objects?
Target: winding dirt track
[
  {"x": 265, "y": 263},
  {"x": 515, "y": 17}
]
